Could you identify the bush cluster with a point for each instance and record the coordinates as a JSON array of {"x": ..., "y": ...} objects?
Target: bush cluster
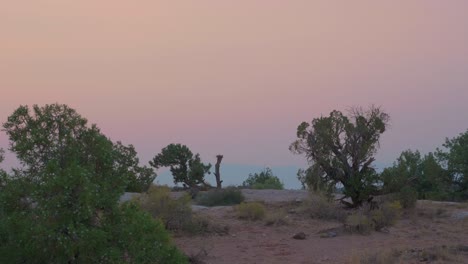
[
  {"x": 220, "y": 197},
  {"x": 320, "y": 207},
  {"x": 176, "y": 214},
  {"x": 364, "y": 222},
  {"x": 263, "y": 180}
]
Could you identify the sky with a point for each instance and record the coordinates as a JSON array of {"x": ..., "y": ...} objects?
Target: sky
[{"x": 237, "y": 77}]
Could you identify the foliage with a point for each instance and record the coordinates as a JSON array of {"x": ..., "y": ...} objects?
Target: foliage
[
  {"x": 176, "y": 214},
  {"x": 139, "y": 178},
  {"x": 62, "y": 205},
  {"x": 141, "y": 238},
  {"x": 311, "y": 178},
  {"x": 344, "y": 148},
  {"x": 263, "y": 180},
  {"x": 455, "y": 160},
  {"x": 407, "y": 197},
  {"x": 217, "y": 197},
  {"x": 185, "y": 167},
  {"x": 387, "y": 215},
  {"x": 416, "y": 177},
  {"x": 251, "y": 211}
]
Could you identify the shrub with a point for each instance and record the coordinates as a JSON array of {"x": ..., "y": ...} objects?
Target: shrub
[
  {"x": 176, "y": 214},
  {"x": 229, "y": 196},
  {"x": 263, "y": 180},
  {"x": 387, "y": 215},
  {"x": 358, "y": 222},
  {"x": 322, "y": 208},
  {"x": 408, "y": 197},
  {"x": 250, "y": 211},
  {"x": 278, "y": 218},
  {"x": 364, "y": 222}
]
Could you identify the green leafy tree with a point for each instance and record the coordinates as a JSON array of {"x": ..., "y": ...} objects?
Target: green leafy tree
[
  {"x": 185, "y": 167},
  {"x": 263, "y": 180},
  {"x": 139, "y": 178},
  {"x": 404, "y": 172},
  {"x": 315, "y": 179},
  {"x": 412, "y": 173},
  {"x": 344, "y": 148},
  {"x": 62, "y": 205},
  {"x": 454, "y": 158}
]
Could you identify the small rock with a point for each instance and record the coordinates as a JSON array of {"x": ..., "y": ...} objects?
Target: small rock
[
  {"x": 298, "y": 200},
  {"x": 300, "y": 236}
]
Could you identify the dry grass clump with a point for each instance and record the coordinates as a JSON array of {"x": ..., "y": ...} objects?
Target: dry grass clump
[
  {"x": 277, "y": 218},
  {"x": 363, "y": 222},
  {"x": 320, "y": 207},
  {"x": 251, "y": 211},
  {"x": 176, "y": 214}
]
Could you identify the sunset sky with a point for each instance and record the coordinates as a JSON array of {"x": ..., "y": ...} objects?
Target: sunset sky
[{"x": 237, "y": 77}]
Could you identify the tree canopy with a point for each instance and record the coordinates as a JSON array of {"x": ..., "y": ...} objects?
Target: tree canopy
[
  {"x": 454, "y": 158},
  {"x": 343, "y": 147},
  {"x": 62, "y": 205},
  {"x": 263, "y": 180},
  {"x": 185, "y": 167}
]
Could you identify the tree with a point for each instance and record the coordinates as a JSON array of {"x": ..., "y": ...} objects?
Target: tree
[
  {"x": 405, "y": 172},
  {"x": 454, "y": 158},
  {"x": 344, "y": 148},
  {"x": 139, "y": 178},
  {"x": 263, "y": 180},
  {"x": 185, "y": 167},
  {"x": 62, "y": 205},
  {"x": 312, "y": 179},
  {"x": 57, "y": 132}
]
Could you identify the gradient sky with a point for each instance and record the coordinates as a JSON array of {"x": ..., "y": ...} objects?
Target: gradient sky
[{"x": 237, "y": 77}]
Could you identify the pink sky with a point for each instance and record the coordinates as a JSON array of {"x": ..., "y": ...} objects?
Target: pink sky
[{"x": 237, "y": 77}]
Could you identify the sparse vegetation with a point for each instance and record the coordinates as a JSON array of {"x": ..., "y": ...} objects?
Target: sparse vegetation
[
  {"x": 218, "y": 197},
  {"x": 251, "y": 211},
  {"x": 320, "y": 207},
  {"x": 363, "y": 222},
  {"x": 277, "y": 218}
]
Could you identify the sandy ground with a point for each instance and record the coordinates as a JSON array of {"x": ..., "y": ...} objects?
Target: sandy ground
[{"x": 254, "y": 242}]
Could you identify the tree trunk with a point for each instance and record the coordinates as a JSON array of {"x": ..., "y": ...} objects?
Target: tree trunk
[{"x": 217, "y": 174}]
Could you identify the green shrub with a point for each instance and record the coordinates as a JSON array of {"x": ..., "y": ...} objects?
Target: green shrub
[
  {"x": 218, "y": 197},
  {"x": 263, "y": 180},
  {"x": 250, "y": 211},
  {"x": 387, "y": 215},
  {"x": 408, "y": 197}
]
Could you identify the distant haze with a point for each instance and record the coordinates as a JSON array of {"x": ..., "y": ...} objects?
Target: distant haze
[{"x": 237, "y": 77}]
